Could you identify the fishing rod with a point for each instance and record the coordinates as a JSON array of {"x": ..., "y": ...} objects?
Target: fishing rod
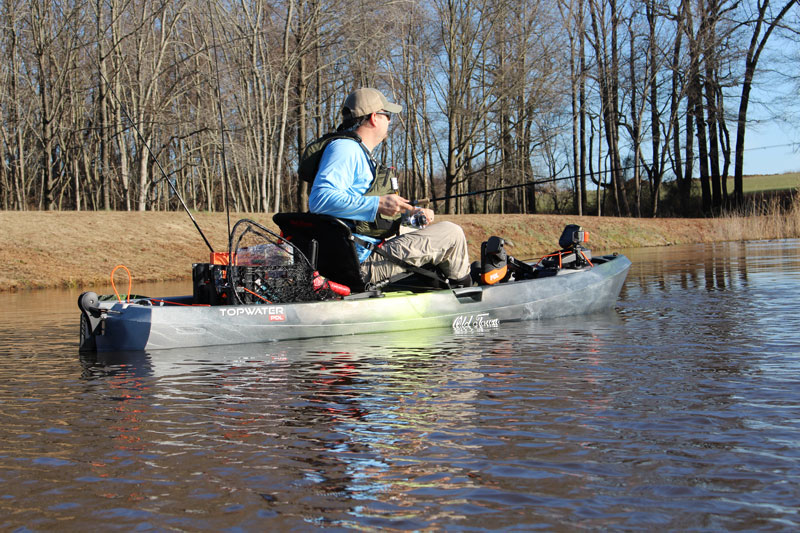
[
  {"x": 425, "y": 201},
  {"x": 225, "y": 176},
  {"x": 135, "y": 128}
]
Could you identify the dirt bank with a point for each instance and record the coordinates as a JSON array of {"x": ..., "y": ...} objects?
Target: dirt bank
[{"x": 64, "y": 249}]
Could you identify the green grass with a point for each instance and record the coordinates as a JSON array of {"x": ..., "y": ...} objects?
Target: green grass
[{"x": 771, "y": 182}]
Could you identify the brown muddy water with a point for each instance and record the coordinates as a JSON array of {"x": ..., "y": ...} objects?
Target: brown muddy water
[{"x": 678, "y": 410}]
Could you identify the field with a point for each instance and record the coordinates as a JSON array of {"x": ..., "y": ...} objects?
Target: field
[
  {"x": 768, "y": 183},
  {"x": 754, "y": 186}
]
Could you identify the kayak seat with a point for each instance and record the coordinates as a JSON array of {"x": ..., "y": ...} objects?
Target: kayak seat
[
  {"x": 330, "y": 246},
  {"x": 335, "y": 254}
]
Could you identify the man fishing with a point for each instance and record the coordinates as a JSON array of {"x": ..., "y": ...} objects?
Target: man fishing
[{"x": 348, "y": 185}]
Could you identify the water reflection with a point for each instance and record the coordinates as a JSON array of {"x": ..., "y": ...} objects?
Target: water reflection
[
  {"x": 375, "y": 419},
  {"x": 678, "y": 410}
]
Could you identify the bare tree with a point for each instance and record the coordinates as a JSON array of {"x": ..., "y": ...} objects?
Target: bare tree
[
  {"x": 572, "y": 13},
  {"x": 763, "y": 23},
  {"x": 466, "y": 27},
  {"x": 606, "y": 47},
  {"x": 53, "y": 49},
  {"x": 496, "y": 92},
  {"x": 14, "y": 126},
  {"x": 410, "y": 66}
]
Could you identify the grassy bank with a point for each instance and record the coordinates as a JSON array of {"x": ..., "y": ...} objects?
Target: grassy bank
[{"x": 79, "y": 249}]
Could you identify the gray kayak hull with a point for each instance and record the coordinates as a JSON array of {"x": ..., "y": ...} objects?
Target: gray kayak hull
[{"x": 149, "y": 325}]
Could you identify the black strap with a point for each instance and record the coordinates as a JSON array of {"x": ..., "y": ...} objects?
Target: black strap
[{"x": 401, "y": 262}]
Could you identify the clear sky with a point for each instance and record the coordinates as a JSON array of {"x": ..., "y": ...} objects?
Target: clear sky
[
  {"x": 771, "y": 148},
  {"x": 772, "y": 141}
]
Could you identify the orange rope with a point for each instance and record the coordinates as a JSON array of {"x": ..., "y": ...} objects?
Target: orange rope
[
  {"x": 130, "y": 283},
  {"x": 560, "y": 254},
  {"x": 552, "y": 255}
]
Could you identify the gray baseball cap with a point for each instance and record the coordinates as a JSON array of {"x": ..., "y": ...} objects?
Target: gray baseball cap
[{"x": 366, "y": 101}]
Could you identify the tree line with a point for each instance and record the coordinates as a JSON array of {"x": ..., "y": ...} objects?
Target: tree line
[{"x": 126, "y": 104}]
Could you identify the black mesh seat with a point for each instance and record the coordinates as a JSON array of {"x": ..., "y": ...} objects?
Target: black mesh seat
[
  {"x": 330, "y": 242},
  {"x": 336, "y": 254}
]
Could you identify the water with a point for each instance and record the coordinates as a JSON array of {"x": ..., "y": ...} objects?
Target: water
[{"x": 679, "y": 410}]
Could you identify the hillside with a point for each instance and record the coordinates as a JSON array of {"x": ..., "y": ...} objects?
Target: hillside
[{"x": 65, "y": 249}]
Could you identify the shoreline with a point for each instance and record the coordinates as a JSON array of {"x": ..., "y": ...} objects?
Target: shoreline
[{"x": 64, "y": 249}]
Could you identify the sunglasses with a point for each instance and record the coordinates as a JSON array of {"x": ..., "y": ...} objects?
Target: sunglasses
[{"x": 385, "y": 114}]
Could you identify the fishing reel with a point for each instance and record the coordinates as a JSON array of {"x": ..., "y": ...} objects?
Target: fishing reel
[{"x": 415, "y": 220}]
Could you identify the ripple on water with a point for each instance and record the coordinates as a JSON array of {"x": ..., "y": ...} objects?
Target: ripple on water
[{"x": 679, "y": 410}]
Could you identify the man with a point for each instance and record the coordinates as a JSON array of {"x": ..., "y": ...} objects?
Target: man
[{"x": 345, "y": 187}]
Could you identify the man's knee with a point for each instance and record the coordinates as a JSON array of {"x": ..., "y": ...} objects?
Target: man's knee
[{"x": 451, "y": 229}]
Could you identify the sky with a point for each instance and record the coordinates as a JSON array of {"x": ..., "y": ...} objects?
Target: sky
[
  {"x": 771, "y": 148},
  {"x": 772, "y": 140}
]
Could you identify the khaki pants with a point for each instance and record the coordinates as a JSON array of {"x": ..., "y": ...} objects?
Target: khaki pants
[{"x": 442, "y": 244}]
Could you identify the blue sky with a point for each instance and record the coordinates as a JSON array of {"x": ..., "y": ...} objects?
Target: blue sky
[
  {"x": 772, "y": 141},
  {"x": 772, "y": 148}
]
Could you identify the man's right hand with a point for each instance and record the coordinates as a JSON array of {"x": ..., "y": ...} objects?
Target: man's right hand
[{"x": 393, "y": 204}]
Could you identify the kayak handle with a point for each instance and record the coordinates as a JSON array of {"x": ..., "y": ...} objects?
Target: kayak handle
[{"x": 469, "y": 294}]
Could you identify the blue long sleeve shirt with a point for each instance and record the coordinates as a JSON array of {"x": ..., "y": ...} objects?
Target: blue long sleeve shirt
[{"x": 345, "y": 173}]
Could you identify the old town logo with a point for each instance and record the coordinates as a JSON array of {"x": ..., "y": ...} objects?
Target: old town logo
[{"x": 475, "y": 322}]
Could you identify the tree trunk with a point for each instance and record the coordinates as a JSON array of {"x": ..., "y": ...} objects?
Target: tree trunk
[
  {"x": 696, "y": 109},
  {"x": 144, "y": 176},
  {"x": 284, "y": 111},
  {"x": 302, "y": 96},
  {"x": 655, "y": 119}
]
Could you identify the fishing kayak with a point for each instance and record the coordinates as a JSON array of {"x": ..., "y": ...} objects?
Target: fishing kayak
[{"x": 146, "y": 323}]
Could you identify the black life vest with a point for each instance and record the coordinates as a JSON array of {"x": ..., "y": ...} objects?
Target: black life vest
[{"x": 383, "y": 226}]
